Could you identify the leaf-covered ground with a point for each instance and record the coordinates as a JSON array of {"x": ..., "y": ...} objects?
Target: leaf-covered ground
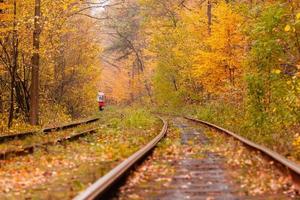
[
  {"x": 61, "y": 171},
  {"x": 251, "y": 175},
  {"x": 254, "y": 175},
  {"x": 41, "y": 138},
  {"x": 156, "y": 172}
]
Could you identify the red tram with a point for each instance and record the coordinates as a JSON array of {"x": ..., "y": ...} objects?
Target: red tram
[{"x": 101, "y": 100}]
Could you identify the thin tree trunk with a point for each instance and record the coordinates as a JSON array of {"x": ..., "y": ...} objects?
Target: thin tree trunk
[
  {"x": 209, "y": 16},
  {"x": 34, "y": 90},
  {"x": 295, "y": 32},
  {"x": 1, "y": 10},
  {"x": 1, "y": 96},
  {"x": 175, "y": 83},
  {"x": 1, "y": 104},
  {"x": 11, "y": 104},
  {"x": 14, "y": 67},
  {"x": 148, "y": 89}
]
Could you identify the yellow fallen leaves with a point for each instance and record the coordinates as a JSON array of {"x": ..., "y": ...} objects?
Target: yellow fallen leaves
[
  {"x": 70, "y": 167},
  {"x": 254, "y": 174},
  {"x": 296, "y": 145},
  {"x": 287, "y": 28},
  {"x": 276, "y": 71},
  {"x": 156, "y": 173}
]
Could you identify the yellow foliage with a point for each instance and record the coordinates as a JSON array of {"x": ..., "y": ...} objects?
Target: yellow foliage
[
  {"x": 287, "y": 28},
  {"x": 296, "y": 145},
  {"x": 216, "y": 64},
  {"x": 69, "y": 58}
]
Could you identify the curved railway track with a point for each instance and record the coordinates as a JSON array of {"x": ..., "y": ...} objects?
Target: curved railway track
[
  {"x": 98, "y": 189},
  {"x": 101, "y": 187},
  {"x": 283, "y": 163}
]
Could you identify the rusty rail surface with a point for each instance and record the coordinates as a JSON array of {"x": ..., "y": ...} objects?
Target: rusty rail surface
[
  {"x": 30, "y": 148},
  {"x": 292, "y": 167},
  {"x": 102, "y": 185},
  {"x": 21, "y": 135}
]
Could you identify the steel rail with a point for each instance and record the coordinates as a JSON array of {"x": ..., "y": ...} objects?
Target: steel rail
[
  {"x": 4, "y": 138},
  {"x": 98, "y": 189},
  {"x": 292, "y": 167},
  {"x": 30, "y": 148}
]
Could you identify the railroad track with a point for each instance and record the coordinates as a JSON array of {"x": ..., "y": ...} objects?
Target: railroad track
[
  {"x": 284, "y": 164},
  {"x": 112, "y": 178},
  {"x": 27, "y": 149},
  {"x": 21, "y": 135},
  {"x": 207, "y": 170},
  {"x": 30, "y": 148}
]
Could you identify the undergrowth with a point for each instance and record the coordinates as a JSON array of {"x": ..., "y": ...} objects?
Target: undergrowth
[{"x": 132, "y": 118}]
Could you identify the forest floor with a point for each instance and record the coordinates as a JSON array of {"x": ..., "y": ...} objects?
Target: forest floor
[{"x": 61, "y": 171}]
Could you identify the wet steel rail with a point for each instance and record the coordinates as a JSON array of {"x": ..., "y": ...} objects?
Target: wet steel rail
[
  {"x": 283, "y": 163},
  {"x": 102, "y": 185},
  {"x": 4, "y": 138}
]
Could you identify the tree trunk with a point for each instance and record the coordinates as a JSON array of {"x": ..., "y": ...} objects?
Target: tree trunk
[
  {"x": 209, "y": 16},
  {"x": 175, "y": 83},
  {"x": 34, "y": 90},
  {"x": 11, "y": 104},
  {"x": 1, "y": 96},
  {"x": 297, "y": 39},
  {"x": 14, "y": 67},
  {"x": 1, "y": 105},
  {"x": 1, "y": 10},
  {"x": 148, "y": 89}
]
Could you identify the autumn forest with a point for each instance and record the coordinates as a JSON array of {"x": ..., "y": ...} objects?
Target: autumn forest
[{"x": 235, "y": 63}]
